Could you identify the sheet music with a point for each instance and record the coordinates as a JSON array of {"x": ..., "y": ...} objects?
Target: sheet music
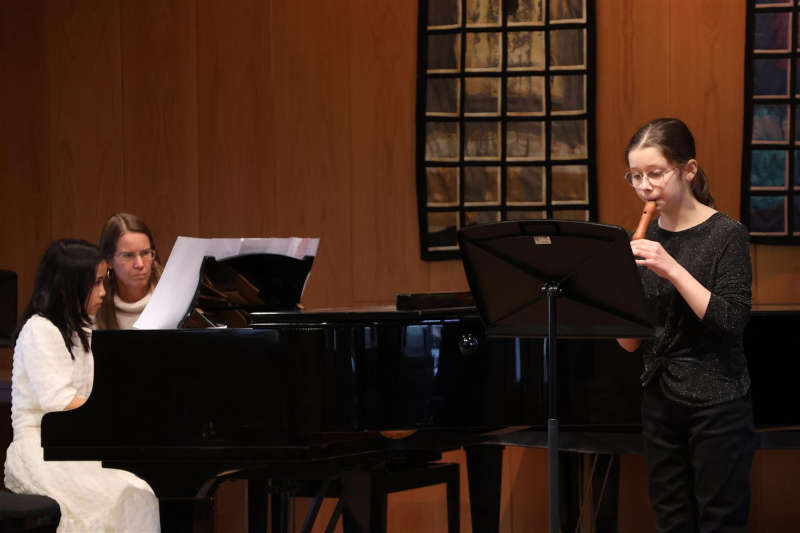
[{"x": 181, "y": 275}]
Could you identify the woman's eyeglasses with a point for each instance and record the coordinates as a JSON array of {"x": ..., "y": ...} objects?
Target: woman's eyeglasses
[
  {"x": 657, "y": 176},
  {"x": 145, "y": 255}
]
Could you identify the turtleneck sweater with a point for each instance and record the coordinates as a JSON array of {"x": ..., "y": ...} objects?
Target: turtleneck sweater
[{"x": 128, "y": 312}]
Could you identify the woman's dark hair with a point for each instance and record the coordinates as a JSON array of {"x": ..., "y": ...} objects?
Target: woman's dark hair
[
  {"x": 114, "y": 228},
  {"x": 63, "y": 282},
  {"x": 673, "y": 138}
]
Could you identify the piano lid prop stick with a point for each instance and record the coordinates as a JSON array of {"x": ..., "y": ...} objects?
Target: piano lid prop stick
[
  {"x": 647, "y": 216},
  {"x": 203, "y": 316}
]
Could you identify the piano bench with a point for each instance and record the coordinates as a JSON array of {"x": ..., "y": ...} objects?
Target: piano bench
[{"x": 28, "y": 513}]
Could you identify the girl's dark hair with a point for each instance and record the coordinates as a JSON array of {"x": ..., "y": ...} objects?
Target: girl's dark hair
[
  {"x": 114, "y": 228},
  {"x": 673, "y": 138},
  {"x": 63, "y": 282}
]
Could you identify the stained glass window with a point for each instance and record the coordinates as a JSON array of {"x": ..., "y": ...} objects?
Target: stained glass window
[
  {"x": 771, "y": 155},
  {"x": 505, "y": 122}
]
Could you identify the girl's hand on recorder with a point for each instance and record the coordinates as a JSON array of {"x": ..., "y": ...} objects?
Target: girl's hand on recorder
[{"x": 652, "y": 255}]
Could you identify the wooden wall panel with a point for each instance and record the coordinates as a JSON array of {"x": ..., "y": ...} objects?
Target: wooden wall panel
[
  {"x": 447, "y": 276},
  {"x": 382, "y": 106},
  {"x": 25, "y": 195},
  {"x": 160, "y": 116},
  {"x": 310, "y": 80},
  {"x": 524, "y": 491},
  {"x": 635, "y": 514},
  {"x": 776, "y": 270},
  {"x": 297, "y": 118},
  {"x": 230, "y": 507},
  {"x": 85, "y": 114},
  {"x": 423, "y": 509},
  {"x": 633, "y": 72},
  {"x": 707, "y": 88},
  {"x": 692, "y": 70},
  {"x": 24, "y": 181},
  {"x": 236, "y": 178},
  {"x": 773, "y": 492}
]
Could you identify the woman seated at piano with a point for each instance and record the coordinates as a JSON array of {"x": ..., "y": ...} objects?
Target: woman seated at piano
[
  {"x": 133, "y": 270},
  {"x": 53, "y": 370}
]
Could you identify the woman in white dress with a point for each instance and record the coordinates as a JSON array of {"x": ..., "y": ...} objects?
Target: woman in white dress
[
  {"x": 53, "y": 371},
  {"x": 128, "y": 247}
]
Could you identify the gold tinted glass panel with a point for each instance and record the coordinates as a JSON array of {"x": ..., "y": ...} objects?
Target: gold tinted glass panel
[{"x": 505, "y": 114}]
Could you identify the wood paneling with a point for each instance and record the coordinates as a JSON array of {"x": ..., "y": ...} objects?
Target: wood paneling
[
  {"x": 230, "y": 507},
  {"x": 776, "y": 270},
  {"x": 524, "y": 491},
  {"x": 310, "y": 79},
  {"x": 677, "y": 58},
  {"x": 447, "y": 276},
  {"x": 256, "y": 118},
  {"x": 633, "y": 72},
  {"x": 236, "y": 177},
  {"x": 707, "y": 88},
  {"x": 423, "y": 509},
  {"x": 85, "y": 114},
  {"x": 160, "y": 116},
  {"x": 383, "y": 138},
  {"x": 773, "y": 491},
  {"x": 25, "y": 193},
  {"x": 635, "y": 514}
]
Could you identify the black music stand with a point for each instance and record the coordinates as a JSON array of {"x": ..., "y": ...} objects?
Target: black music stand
[{"x": 554, "y": 279}]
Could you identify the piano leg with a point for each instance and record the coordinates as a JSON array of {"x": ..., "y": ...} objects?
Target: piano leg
[
  {"x": 279, "y": 493},
  {"x": 364, "y": 502},
  {"x": 186, "y": 515},
  {"x": 596, "y": 510},
  {"x": 364, "y": 493},
  {"x": 484, "y": 471},
  {"x": 281, "y": 512},
  {"x": 570, "y": 476},
  {"x": 257, "y": 505},
  {"x": 184, "y": 492},
  {"x": 606, "y": 487}
]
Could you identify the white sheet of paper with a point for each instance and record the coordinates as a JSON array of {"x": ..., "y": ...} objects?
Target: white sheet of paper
[{"x": 178, "y": 282}]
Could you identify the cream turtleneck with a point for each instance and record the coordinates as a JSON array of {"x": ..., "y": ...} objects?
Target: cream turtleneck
[{"x": 128, "y": 312}]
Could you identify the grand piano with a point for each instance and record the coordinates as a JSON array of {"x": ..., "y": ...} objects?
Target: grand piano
[
  {"x": 301, "y": 394},
  {"x": 314, "y": 395}
]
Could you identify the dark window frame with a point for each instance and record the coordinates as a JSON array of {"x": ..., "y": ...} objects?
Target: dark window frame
[
  {"x": 548, "y": 209},
  {"x": 790, "y": 191}
]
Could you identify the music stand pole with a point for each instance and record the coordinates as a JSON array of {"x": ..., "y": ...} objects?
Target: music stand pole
[
  {"x": 588, "y": 266},
  {"x": 552, "y": 290}
]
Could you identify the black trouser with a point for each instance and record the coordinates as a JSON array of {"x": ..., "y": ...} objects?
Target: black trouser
[{"x": 698, "y": 462}]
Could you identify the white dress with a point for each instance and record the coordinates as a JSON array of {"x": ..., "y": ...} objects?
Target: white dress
[{"x": 92, "y": 498}]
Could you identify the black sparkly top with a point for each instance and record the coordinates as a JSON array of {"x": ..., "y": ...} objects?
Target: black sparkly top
[{"x": 700, "y": 362}]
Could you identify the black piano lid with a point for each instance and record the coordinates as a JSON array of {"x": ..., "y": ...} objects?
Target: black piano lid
[
  {"x": 252, "y": 282},
  {"x": 359, "y": 316},
  {"x": 409, "y": 307}
]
